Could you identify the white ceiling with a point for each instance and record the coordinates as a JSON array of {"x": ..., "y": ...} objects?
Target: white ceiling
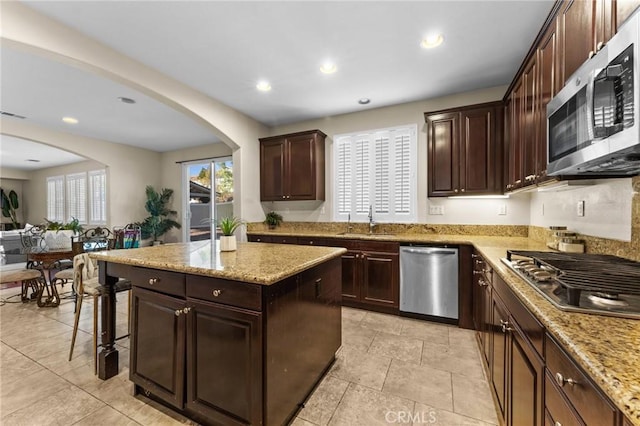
[
  {"x": 223, "y": 48},
  {"x": 18, "y": 153}
]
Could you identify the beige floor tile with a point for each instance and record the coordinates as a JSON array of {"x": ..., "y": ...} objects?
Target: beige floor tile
[
  {"x": 358, "y": 367},
  {"x": 15, "y": 366},
  {"x": 23, "y": 393},
  {"x": 427, "y": 331},
  {"x": 471, "y": 398},
  {"x": 420, "y": 383},
  {"x": 462, "y": 337},
  {"x": 361, "y": 405},
  {"x": 106, "y": 416},
  {"x": 352, "y": 315},
  {"x": 426, "y": 415},
  {"x": 64, "y": 407},
  {"x": 355, "y": 336},
  {"x": 462, "y": 359},
  {"x": 323, "y": 402},
  {"x": 380, "y": 322},
  {"x": 301, "y": 422},
  {"x": 398, "y": 347}
]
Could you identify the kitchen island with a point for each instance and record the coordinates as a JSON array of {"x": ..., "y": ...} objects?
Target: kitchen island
[{"x": 226, "y": 338}]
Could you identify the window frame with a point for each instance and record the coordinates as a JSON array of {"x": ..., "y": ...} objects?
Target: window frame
[
  {"x": 365, "y": 175},
  {"x": 61, "y": 197}
]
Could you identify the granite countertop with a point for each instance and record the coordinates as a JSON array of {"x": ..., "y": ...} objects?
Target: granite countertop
[
  {"x": 256, "y": 263},
  {"x": 607, "y": 348}
]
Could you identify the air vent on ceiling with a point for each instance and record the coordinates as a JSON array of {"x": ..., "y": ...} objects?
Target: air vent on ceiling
[{"x": 10, "y": 114}]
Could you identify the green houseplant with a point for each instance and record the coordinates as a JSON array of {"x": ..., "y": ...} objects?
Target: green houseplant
[
  {"x": 9, "y": 206},
  {"x": 160, "y": 219},
  {"x": 273, "y": 219},
  {"x": 228, "y": 226}
]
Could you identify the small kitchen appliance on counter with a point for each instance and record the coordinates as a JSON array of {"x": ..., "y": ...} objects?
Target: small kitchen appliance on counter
[{"x": 578, "y": 282}]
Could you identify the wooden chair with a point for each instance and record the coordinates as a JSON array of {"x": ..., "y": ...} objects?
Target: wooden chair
[
  {"x": 93, "y": 239},
  {"x": 85, "y": 282}
]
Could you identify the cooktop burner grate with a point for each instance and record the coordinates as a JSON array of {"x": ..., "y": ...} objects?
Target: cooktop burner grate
[{"x": 596, "y": 273}]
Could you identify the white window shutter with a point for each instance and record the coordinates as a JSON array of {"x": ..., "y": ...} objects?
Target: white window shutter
[
  {"x": 376, "y": 168},
  {"x": 55, "y": 198},
  {"x": 382, "y": 169},
  {"x": 76, "y": 197},
  {"x": 97, "y": 197}
]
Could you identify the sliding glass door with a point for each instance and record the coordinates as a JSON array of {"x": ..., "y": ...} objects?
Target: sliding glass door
[{"x": 208, "y": 189}]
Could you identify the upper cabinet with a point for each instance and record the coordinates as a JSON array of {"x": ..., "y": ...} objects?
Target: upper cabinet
[
  {"x": 465, "y": 150},
  {"x": 572, "y": 33},
  {"x": 292, "y": 167}
]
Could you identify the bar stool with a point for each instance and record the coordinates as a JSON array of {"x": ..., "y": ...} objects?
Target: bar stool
[{"x": 27, "y": 277}]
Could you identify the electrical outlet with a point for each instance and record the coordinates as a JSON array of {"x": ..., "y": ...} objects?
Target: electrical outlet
[
  {"x": 580, "y": 208},
  {"x": 436, "y": 210},
  {"x": 502, "y": 210},
  {"x": 322, "y": 210}
]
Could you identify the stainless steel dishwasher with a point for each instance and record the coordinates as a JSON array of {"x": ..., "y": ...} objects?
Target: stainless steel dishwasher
[{"x": 429, "y": 281}]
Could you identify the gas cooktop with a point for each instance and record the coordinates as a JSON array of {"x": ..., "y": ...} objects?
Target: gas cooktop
[{"x": 578, "y": 282}]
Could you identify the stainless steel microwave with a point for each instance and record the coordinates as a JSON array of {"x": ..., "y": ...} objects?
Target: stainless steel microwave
[{"x": 593, "y": 123}]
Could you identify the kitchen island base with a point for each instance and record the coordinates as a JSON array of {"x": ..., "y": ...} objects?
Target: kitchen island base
[{"x": 229, "y": 352}]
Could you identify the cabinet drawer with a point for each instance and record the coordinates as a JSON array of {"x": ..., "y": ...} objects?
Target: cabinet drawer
[
  {"x": 380, "y": 246},
  {"x": 593, "y": 407},
  {"x": 340, "y": 242},
  {"x": 161, "y": 281},
  {"x": 259, "y": 238},
  {"x": 482, "y": 269},
  {"x": 227, "y": 292},
  {"x": 284, "y": 239},
  {"x": 558, "y": 409}
]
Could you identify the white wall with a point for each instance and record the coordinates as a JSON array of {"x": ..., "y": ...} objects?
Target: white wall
[
  {"x": 607, "y": 211},
  {"x": 471, "y": 211}
]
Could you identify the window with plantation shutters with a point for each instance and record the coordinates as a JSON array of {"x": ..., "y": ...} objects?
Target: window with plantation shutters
[
  {"x": 98, "y": 197},
  {"x": 376, "y": 168},
  {"x": 55, "y": 198},
  {"x": 76, "y": 197}
]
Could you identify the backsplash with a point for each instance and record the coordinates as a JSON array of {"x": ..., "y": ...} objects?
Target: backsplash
[{"x": 398, "y": 228}]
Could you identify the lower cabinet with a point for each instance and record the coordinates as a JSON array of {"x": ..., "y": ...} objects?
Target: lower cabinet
[
  {"x": 234, "y": 353},
  {"x": 534, "y": 381}
]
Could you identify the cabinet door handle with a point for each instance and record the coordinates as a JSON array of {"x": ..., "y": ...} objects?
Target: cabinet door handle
[
  {"x": 186, "y": 310},
  {"x": 591, "y": 53},
  {"x": 318, "y": 281},
  {"x": 178, "y": 312},
  {"x": 153, "y": 281},
  {"x": 283, "y": 197},
  {"x": 455, "y": 190},
  {"x": 560, "y": 380},
  {"x": 557, "y": 424},
  {"x": 216, "y": 292},
  {"x": 505, "y": 326},
  {"x": 600, "y": 45},
  {"x": 482, "y": 282},
  {"x": 462, "y": 190}
]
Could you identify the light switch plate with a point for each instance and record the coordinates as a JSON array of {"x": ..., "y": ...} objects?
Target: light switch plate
[
  {"x": 580, "y": 208},
  {"x": 502, "y": 209}
]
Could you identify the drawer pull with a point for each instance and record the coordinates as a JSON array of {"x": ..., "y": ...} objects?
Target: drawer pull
[
  {"x": 216, "y": 292},
  {"x": 153, "y": 281},
  {"x": 482, "y": 282},
  {"x": 560, "y": 380},
  {"x": 482, "y": 271},
  {"x": 505, "y": 326}
]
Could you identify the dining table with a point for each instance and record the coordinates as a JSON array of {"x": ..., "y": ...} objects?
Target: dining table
[{"x": 46, "y": 259}]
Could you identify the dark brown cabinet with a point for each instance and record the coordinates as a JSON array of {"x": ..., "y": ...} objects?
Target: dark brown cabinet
[
  {"x": 228, "y": 352},
  {"x": 158, "y": 346},
  {"x": 370, "y": 274},
  {"x": 292, "y": 167},
  {"x": 465, "y": 150},
  {"x": 482, "y": 303},
  {"x": 224, "y": 362},
  {"x": 577, "y": 26}
]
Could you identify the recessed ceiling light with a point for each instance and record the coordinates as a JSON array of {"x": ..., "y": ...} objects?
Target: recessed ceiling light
[
  {"x": 263, "y": 86},
  {"x": 126, "y": 100},
  {"x": 364, "y": 101},
  {"x": 70, "y": 120},
  {"x": 328, "y": 68},
  {"x": 432, "y": 41},
  {"x": 33, "y": 160}
]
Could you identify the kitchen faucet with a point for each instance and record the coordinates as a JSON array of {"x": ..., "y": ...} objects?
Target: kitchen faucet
[
  {"x": 372, "y": 224},
  {"x": 349, "y": 227}
]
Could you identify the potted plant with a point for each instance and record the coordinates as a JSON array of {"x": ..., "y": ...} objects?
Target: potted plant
[
  {"x": 159, "y": 221},
  {"x": 9, "y": 206},
  {"x": 58, "y": 235},
  {"x": 228, "y": 226},
  {"x": 273, "y": 219}
]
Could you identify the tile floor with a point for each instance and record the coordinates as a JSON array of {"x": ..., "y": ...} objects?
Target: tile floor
[{"x": 390, "y": 370}]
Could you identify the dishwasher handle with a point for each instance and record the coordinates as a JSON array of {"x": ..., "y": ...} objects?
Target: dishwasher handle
[{"x": 429, "y": 250}]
